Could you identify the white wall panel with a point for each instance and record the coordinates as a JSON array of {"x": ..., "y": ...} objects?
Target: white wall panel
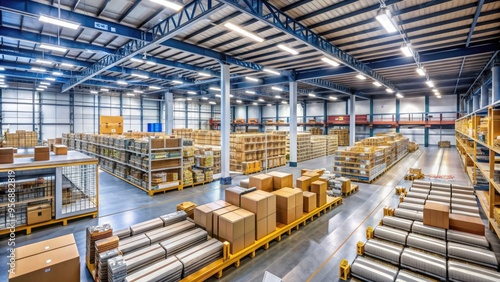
[
  {"x": 240, "y": 112},
  {"x": 436, "y": 135},
  {"x": 412, "y": 105},
  {"x": 337, "y": 108},
  {"x": 384, "y": 106},
  {"x": 269, "y": 111},
  {"x": 362, "y": 107},
  {"x": 253, "y": 112},
  {"x": 315, "y": 109},
  {"x": 284, "y": 111},
  {"x": 415, "y": 134}
]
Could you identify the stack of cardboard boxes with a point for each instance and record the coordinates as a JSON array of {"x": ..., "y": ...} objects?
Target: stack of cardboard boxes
[
  {"x": 238, "y": 228},
  {"x": 289, "y": 205},
  {"x": 263, "y": 205},
  {"x": 6, "y": 155}
]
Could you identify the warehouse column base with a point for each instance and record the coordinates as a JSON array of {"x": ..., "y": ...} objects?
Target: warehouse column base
[
  {"x": 225, "y": 181},
  {"x": 293, "y": 164}
]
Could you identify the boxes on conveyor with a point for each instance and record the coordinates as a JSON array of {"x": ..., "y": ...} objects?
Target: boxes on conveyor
[{"x": 436, "y": 215}]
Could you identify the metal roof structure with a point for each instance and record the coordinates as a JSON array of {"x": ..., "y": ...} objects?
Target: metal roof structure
[{"x": 146, "y": 44}]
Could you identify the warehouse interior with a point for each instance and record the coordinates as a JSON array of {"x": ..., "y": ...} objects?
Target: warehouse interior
[{"x": 372, "y": 125}]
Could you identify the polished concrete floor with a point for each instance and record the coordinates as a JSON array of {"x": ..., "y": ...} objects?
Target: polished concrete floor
[{"x": 311, "y": 253}]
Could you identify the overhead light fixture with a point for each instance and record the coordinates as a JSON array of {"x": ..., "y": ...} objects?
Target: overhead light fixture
[
  {"x": 138, "y": 91},
  {"x": 439, "y": 96},
  {"x": 421, "y": 71},
  {"x": 40, "y": 89},
  {"x": 360, "y": 76},
  {"x": 231, "y": 95},
  {"x": 67, "y": 65},
  {"x": 168, "y": 4},
  {"x": 42, "y": 86},
  {"x": 58, "y": 73},
  {"x": 276, "y": 88},
  {"x": 277, "y": 96},
  {"x": 376, "y": 83},
  {"x": 104, "y": 89},
  {"x": 399, "y": 95},
  {"x": 271, "y": 71},
  {"x": 243, "y": 32},
  {"x": 143, "y": 76},
  {"x": 53, "y": 47},
  {"x": 212, "y": 103},
  {"x": 130, "y": 94},
  {"x": 255, "y": 103},
  {"x": 214, "y": 88},
  {"x": 40, "y": 61},
  {"x": 154, "y": 87},
  {"x": 330, "y": 61},
  {"x": 38, "y": 69},
  {"x": 2, "y": 76},
  {"x": 269, "y": 105},
  {"x": 261, "y": 100},
  {"x": 177, "y": 82},
  {"x": 288, "y": 49},
  {"x": 238, "y": 101},
  {"x": 384, "y": 17},
  {"x": 249, "y": 92},
  {"x": 437, "y": 93},
  {"x": 50, "y": 78},
  {"x": 435, "y": 90},
  {"x": 204, "y": 98},
  {"x": 430, "y": 83},
  {"x": 251, "y": 78},
  {"x": 2, "y": 68},
  {"x": 332, "y": 98},
  {"x": 189, "y": 99},
  {"x": 121, "y": 82},
  {"x": 191, "y": 92},
  {"x": 3, "y": 86},
  {"x": 311, "y": 95},
  {"x": 406, "y": 49},
  {"x": 284, "y": 102},
  {"x": 217, "y": 95},
  {"x": 45, "y": 83},
  {"x": 204, "y": 74},
  {"x": 94, "y": 92},
  {"x": 389, "y": 90},
  {"x": 136, "y": 60},
  {"x": 150, "y": 63},
  {"x": 59, "y": 22}
]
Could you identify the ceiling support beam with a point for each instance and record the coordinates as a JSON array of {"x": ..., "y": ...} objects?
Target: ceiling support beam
[{"x": 474, "y": 21}]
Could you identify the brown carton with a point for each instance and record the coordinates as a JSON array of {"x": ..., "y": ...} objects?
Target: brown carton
[
  {"x": 467, "y": 224},
  {"x": 255, "y": 203},
  {"x": 233, "y": 195},
  {"x": 261, "y": 228},
  {"x": 261, "y": 182},
  {"x": 58, "y": 141},
  {"x": 318, "y": 187},
  {"x": 249, "y": 238},
  {"x": 271, "y": 201},
  {"x": 271, "y": 223},
  {"x": 203, "y": 216},
  {"x": 42, "y": 153},
  {"x": 222, "y": 203},
  {"x": 299, "y": 211},
  {"x": 436, "y": 215},
  {"x": 320, "y": 200},
  {"x": 285, "y": 216},
  {"x": 313, "y": 175},
  {"x": 281, "y": 180},
  {"x": 304, "y": 183},
  {"x": 6, "y": 155},
  {"x": 249, "y": 219},
  {"x": 232, "y": 226},
  {"x": 215, "y": 221},
  {"x": 60, "y": 150},
  {"x": 284, "y": 200},
  {"x": 39, "y": 213},
  {"x": 44, "y": 246},
  {"x": 309, "y": 201}
]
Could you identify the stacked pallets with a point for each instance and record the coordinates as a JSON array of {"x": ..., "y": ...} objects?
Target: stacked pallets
[{"x": 343, "y": 136}]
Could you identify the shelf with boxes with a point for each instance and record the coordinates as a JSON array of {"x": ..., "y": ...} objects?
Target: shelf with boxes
[
  {"x": 21, "y": 139},
  {"x": 150, "y": 162},
  {"x": 478, "y": 143},
  {"x": 343, "y": 136}
]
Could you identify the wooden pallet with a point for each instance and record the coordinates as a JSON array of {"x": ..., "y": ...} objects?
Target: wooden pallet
[{"x": 354, "y": 188}]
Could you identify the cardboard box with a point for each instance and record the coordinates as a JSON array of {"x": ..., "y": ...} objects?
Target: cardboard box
[
  {"x": 6, "y": 155},
  {"x": 39, "y": 213},
  {"x": 60, "y": 150},
  {"x": 309, "y": 201},
  {"x": 233, "y": 195},
  {"x": 436, "y": 215},
  {"x": 203, "y": 216},
  {"x": 215, "y": 221},
  {"x": 467, "y": 224},
  {"x": 271, "y": 201},
  {"x": 249, "y": 219},
  {"x": 255, "y": 203},
  {"x": 304, "y": 183},
  {"x": 249, "y": 238},
  {"x": 58, "y": 141},
  {"x": 284, "y": 200},
  {"x": 271, "y": 223},
  {"x": 231, "y": 227},
  {"x": 319, "y": 188},
  {"x": 222, "y": 203},
  {"x": 285, "y": 216},
  {"x": 299, "y": 211},
  {"x": 261, "y": 182},
  {"x": 245, "y": 183},
  {"x": 321, "y": 200},
  {"x": 49, "y": 266},
  {"x": 261, "y": 228},
  {"x": 281, "y": 180},
  {"x": 42, "y": 153},
  {"x": 313, "y": 175},
  {"x": 44, "y": 246}
]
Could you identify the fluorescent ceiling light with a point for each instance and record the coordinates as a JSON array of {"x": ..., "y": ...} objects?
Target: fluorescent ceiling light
[
  {"x": 217, "y": 95},
  {"x": 439, "y": 97},
  {"x": 2, "y": 68},
  {"x": 212, "y": 103},
  {"x": 38, "y": 69},
  {"x": 214, "y": 88},
  {"x": 277, "y": 97},
  {"x": 251, "y": 78},
  {"x": 104, "y": 90},
  {"x": 154, "y": 87},
  {"x": 435, "y": 90},
  {"x": 250, "y": 92},
  {"x": 189, "y": 99},
  {"x": 261, "y": 100},
  {"x": 311, "y": 95},
  {"x": 3, "y": 86},
  {"x": 150, "y": 63},
  {"x": 421, "y": 71},
  {"x": 50, "y": 78},
  {"x": 130, "y": 94},
  {"x": 192, "y": 92},
  {"x": 269, "y": 105},
  {"x": 44, "y": 62},
  {"x": 276, "y": 88},
  {"x": 143, "y": 76},
  {"x": 384, "y": 17},
  {"x": 389, "y": 90},
  {"x": 243, "y": 32},
  {"x": 45, "y": 83},
  {"x": 406, "y": 49},
  {"x": 204, "y": 98},
  {"x": 168, "y": 4},
  {"x": 40, "y": 89},
  {"x": 58, "y": 73},
  {"x": 360, "y": 76},
  {"x": 2, "y": 76},
  {"x": 271, "y": 71},
  {"x": 121, "y": 82},
  {"x": 42, "y": 86},
  {"x": 332, "y": 98},
  {"x": 177, "y": 82},
  {"x": 67, "y": 65},
  {"x": 231, "y": 95},
  {"x": 238, "y": 101},
  {"x": 288, "y": 49},
  {"x": 376, "y": 83},
  {"x": 430, "y": 83},
  {"x": 59, "y": 22},
  {"x": 136, "y": 60},
  {"x": 204, "y": 74},
  {"x": 138, "y": 91},
  {"x": 437, "y": 93},
  {"x": 255, "y": 103},
  {"x": 284, "y": 102},
  {"x": 399, "y": 95},
  {"x": 330, "y": 61},
  {"x": 53, "y": 47},
  {"x": 94, "y": 92}
]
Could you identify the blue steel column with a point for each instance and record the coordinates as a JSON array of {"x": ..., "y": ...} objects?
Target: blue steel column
[
  {"x": 398, "y": 116},
  {"x": 261, "y": 112},
  {"x": 186, "y": 113},
  {"x": 121, "y": 105},
  {"x": 495, "y": 81},
  {"x": 246, "y": 118},
  {"x": 225, "y": 124},
  {"x": 277, "y": 114},
  {"x": 169, "y": 112},
  {"x": 99, "y": 115},
  {"x": 293, "y": 123},
  {"x": 371, "y": 117},
  {"x": 426, "y": 129},
  {"x": 71, "y": 111},
  {"x": 475, "y": 102},
  {"x": 199, "y": 116},
  {"x": 352, "y": 120},
  {"x": 484, "y": 96},
  {"x": 40, "y": 116},
  {"x": 304, "y": 115},
  {"x": 142, "y": 113},
  {"x": 325, "y": 117},
  {"x": 1, "y": 110}
]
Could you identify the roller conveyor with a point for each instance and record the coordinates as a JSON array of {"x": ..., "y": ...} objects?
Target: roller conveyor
[
  {"x": 408, "y": 214},
  {"x": 391, "y": 234},
  {"x": 472, "y": 254},
  {"x": 440, "y": 185},
  {"x": 436, "y": 202},
  {"x": 468, "y": 197},
  {"x": 410, "y": 206},
  {"x": 396, "y": 222},
  {"x": 416, "y": 195},
  {"x": 462, "y": 187},
  {"x": 419, "y": 228},
  {"x": 427, "y": 243},
  {"x": 462, "y": 192},
  {"x": 459, "y": 201},
  {"x": 430, "y": 264},
  {"x": 414, "y": 201},
  {"x": 466, "y": 213},
  {"x": 419, "y": 190},
  {"x": 440, "y": 193},
  {"x": 372, "y": 270},
  {"x": 465, "y": 208},
  {"x": 441, "y": 189},
  {"x": 422, "y": 183},
  {"x": 461, "y": 271},
  {"x": 433, "y": 197},
  {"x": 384, "y": 250},
  {"x": 405, "y": 275},
  {"x": 467, "y": 238}
]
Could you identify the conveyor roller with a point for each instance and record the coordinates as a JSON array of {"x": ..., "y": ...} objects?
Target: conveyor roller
[
  {"x": 410, "y": 206},
  {"x": 467, "y": 238},
  {"x": 396, "y": 222},
  {"x": 416, "y": 195},
  {"x": 472, "y": 254},
  {"x": 419, "y": 228},
  {"x": 424, "y": 262},
  {"x": 391, "y": 234},
  {"x": 384, "y": 250},
  {"x": 414, "y": 201},
  {"x": 405, "y": 275},
  {"x": 433, "y": 197},
  {"x": 461, "y": 271},
  {"x": 372, "y": 270},
  {"x": 465, "y": 208},
  {"x": 468, "y": 197},
  {"x": 426, "y": 243},
  {"x": 408, "y": 214},
  {"x": 466, "y": 213},
  {"x": 440, "y": 185},
  {"x": 459, "y": 201},
  {"x": 440, "y": 193},
  {"x": 422, "y": 183},
  {"x": 419, "y": 190}
]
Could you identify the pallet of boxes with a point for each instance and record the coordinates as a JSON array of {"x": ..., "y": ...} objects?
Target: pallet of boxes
[
  {"x": 444, "y": 144},
  {"x": 414, "y": 174}
]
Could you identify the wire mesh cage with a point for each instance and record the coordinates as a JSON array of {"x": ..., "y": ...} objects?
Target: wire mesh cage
[{"x": 79, "y": 188}]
